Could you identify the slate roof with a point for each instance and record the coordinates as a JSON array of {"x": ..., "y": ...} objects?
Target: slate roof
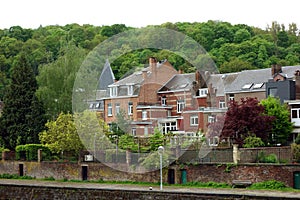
[
  {"x": 221, "y": 81},
  {"x": 107, "y": 77},
  {"x": 258, "y": 76},
  {"x": 179, "y": 82},
  {"x": 185, "y": 81}
]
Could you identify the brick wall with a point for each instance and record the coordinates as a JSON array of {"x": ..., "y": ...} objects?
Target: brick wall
[{"x": 198, "y": 172}]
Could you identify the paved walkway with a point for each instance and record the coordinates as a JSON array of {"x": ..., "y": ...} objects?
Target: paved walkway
[{"x": 170, "y": 189}]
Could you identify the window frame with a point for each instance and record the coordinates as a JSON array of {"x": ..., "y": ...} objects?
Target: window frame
[
  {"x": 193, "y": 121},
  {"x": 144, "y": 115},
  {"x": 109, "y": 110},
  {"x": 222, "y": 104},
  {"x": 203, "y": 92},
  {"x": 180, "y": 106},
  {"x": 130, "y": 108}
]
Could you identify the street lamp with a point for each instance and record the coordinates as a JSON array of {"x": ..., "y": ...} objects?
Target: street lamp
[{"x": 160, "y": 152}]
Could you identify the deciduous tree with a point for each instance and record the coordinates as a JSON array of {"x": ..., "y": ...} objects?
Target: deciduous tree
[
  {"x": 282, "y": 126},
  {"x": 246, "y": 118}
]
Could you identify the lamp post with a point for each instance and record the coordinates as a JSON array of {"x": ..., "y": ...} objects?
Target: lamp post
[{"x": 160, "y": 152}]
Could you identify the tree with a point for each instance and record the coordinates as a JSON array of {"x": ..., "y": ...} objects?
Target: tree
[
  {"x": 56, "y": 81},
  {"x": 245, "y": 119},
  {"x": 61, "y": 135},
  {"x": 23, "y": 116},
  {"x": 282, "y": 126}
]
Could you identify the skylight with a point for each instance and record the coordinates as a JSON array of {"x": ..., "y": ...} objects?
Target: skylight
[
  {"x": 247, "y": 86},
  {"x": 258, "y": 85}
]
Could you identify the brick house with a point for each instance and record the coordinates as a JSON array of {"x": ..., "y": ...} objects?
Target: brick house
[
  {"x": 160, "y": 96},
  {"x": 135, "y": 97}
]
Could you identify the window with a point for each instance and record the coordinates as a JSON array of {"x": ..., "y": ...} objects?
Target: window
[
  {"x": 247, "y": 86},
  {"x": 180, "y": 106},
  {"x": 203, "y": 92},
  {"x": 133, "y": 131},
  {"x": 194, "y": 121},
  {"x": 130, "y": 108},
  {"x": 295, "y": 112},
  {"x": 109, "y": 109},
  {"x": 211, "y": 119},
  {"x": 144, "y": 115},
  {"x": 231, "y": 97},
  {"x": 163, "y": 101},
  {"x": 258, "y": 85},
  {"x": 272, "y": 92},
  {"x": 113, "y": 91},
  {"x": 117, "y": 108},
  {"x": 222, "y": 104},
  {"x": 168, "y": 126},
  {"x": 213, "y": 141},
  {"x": 91, "y": 105},
  {"x": 130, "y": 90}
]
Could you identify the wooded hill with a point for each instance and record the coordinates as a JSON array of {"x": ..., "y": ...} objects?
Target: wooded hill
[{"x": 56, "y": 52}]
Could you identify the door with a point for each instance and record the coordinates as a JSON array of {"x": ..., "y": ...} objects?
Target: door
[
  {"x": 84, "y": 172},
  {"x": 183, "y": 176},
  {"x": 171, "y": 176},
  {"x": 21, "y": 170}
]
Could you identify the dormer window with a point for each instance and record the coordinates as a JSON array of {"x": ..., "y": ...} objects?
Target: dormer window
[
  {"x": 130, "y": 90},
  {"x": 113, "y": 91},
  {"x": 203, "y": 92}
]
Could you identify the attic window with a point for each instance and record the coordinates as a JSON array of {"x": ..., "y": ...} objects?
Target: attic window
[
  {"x": 247, "y": 86},
  {"x": 258, "y": 85}
]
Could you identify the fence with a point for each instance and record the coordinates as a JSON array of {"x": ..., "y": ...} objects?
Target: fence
[{"x": 202, "y": 155}]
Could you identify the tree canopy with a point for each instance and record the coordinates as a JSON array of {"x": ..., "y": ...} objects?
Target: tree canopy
[
  {"x": 245, "y": 119},
  {"x": 282, "y": 126},
  {"x": 23, "y": 115}
]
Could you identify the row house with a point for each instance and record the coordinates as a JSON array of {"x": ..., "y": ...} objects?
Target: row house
[{"x": 159, "y": 96}]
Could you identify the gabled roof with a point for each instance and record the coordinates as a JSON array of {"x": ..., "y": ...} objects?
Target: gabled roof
[
  {"x": 221, "y": 81},
  {"x": 179, "y": 82},
  {"x": 246, "y": 80},
  {"x": 107, "y": 76}
]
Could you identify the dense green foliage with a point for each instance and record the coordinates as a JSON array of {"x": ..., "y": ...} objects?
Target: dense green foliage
[
  {"x": 253, "y": 141},
  {"x": 31, "y": 152},
  {"x": 23, "y": 115},
  {"x": 271, "y": 158},
  {"x": 53, "y": 54},
  {"x": 61, "y": 135},
  {"x": 282, "y": 126},
  {"x": 272, "y": 185}
]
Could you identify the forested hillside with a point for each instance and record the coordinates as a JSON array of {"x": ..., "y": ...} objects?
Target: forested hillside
[{"x": 55, "y": 53}]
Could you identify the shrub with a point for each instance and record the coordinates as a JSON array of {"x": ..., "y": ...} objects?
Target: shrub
[
  {"x": 271, "y": 184},
  {"x": 30, "y": 152},
  {"x": 296, "y": 152},
  {"x": 253, "y": 141},
  {"x": 271, "y": 158}
]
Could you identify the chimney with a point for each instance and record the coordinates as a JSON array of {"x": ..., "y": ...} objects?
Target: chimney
[
  {"x": 144, "y": 73},
  {"x": 180, "y": 71},
  {"x": 297, "y": 83},
  {"x": 152, "y": 64},
  {"x": 276, "y": 69}
]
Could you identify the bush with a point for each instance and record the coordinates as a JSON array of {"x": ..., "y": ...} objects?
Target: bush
[
  {"x": 271, "y": 184},
  {"x": 271, "y": 158},
  {"x": 30, "y": 152},
  {"x": 296, "y": 152},
  {"x": 253, "y": 141}
]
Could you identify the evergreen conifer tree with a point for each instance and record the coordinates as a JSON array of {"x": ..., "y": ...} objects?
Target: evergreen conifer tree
[{"x": 23, "y": 115}]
